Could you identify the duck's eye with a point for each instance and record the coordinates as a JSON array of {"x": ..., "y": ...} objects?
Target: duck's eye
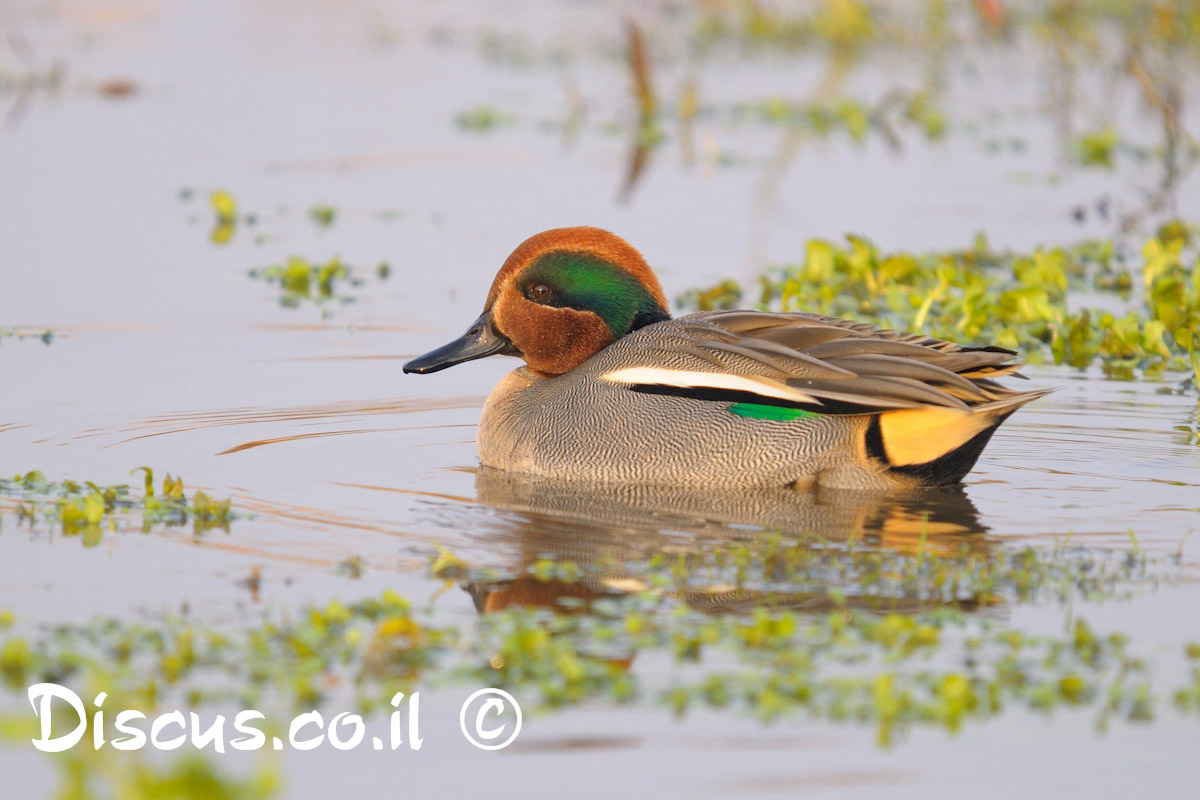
[{"x": 539, "y": 291}]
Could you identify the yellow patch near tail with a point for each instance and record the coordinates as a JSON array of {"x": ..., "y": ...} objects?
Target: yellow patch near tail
[{"x": 920, "y": 435}]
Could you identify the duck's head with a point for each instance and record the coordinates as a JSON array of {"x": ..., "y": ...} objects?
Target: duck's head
[{"x": 560, "y": 298}]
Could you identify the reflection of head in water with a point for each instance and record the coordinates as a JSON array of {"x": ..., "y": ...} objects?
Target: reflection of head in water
[{"x": 604, "y": 527}]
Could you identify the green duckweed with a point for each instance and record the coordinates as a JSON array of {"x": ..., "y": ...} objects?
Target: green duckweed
[
  {"x": 45, "y": 335},
  {"x": 482, "y": 118},
  {"x": 1024, "y": 301},
  {"x": 87, "y": 509},
  {"x": 884, "y": 639},
  {"x": 301, "y": 281}
]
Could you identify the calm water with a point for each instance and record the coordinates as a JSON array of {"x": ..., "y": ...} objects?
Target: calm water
[{"x": 167, "y": 354}]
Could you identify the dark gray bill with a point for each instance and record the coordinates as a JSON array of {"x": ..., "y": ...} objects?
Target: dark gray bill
[{"x": 481, "y": 340}]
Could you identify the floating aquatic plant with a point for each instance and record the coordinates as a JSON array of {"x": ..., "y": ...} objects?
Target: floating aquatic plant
[
  {"x": 853, "y": 27},
  {"x": 49, "y": 80},
  {"x": 1188, "y": 697},
  {"x": 323, "y": 215},
  {"x": 844, "y": 25},
  {"x": 1138, "y": 45},
  {"x": 46, "y": 336},
  {"x": 850, "y": 116},
  {"x": 225, "y": 216},
  {"x": 1017, "y": 300},
  {"x": 1096, "y": 148},
  {"x": 379, "y": 643},
  {"x": 482, "y": 118},
  {"x": 778, "y": 629},
  {"x": 87, "y": 509},
  {"x": 301, "y": 281},
  {"x": 817, "y": 632}
]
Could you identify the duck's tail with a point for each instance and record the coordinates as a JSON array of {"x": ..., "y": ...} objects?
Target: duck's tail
[{"x": 938, "y": 446}]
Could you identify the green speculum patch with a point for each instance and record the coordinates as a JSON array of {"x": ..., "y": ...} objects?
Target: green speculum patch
[
  {"x": 585, "y": 282},
  {"x": 775, "y": 413}
]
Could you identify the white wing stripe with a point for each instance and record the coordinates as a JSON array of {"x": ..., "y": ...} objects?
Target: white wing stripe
[{"x": 688, "y": 379}]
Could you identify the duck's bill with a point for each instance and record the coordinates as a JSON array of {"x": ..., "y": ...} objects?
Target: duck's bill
[{"x": 481, "y": 340}]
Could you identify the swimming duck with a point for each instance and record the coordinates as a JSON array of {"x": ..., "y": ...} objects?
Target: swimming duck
[{"x": 616, "y": 390}]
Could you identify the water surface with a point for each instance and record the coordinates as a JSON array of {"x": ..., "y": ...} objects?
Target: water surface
[{"x": 166, "y": 353}]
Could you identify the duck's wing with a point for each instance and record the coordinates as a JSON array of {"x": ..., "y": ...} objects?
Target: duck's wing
[
  {"x": 815, "y": 363},
  {"x": 930, "y": 405}
]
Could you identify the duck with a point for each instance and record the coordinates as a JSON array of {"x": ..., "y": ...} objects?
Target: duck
[{"x": 616, "y": 390}]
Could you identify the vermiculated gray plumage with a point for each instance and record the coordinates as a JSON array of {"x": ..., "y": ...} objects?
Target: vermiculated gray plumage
[{"x": 580, "y": 425}]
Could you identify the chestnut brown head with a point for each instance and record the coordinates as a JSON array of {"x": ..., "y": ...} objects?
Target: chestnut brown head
[{"x": 561, "y": 297}]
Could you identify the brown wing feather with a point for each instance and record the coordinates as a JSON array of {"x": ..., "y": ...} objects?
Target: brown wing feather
[
  {"x": 897, "y": 367},
  {"x": 852, "y": 367},
  {"x": 957, "y": 361},
  {"x": 876, "y": 393}
]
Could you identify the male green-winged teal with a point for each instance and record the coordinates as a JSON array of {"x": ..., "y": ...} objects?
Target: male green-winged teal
[{"x": 616, "y": 390}]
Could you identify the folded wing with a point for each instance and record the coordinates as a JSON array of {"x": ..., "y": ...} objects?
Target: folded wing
[
  {"x": 818, "y": 364},
  {"x": 932, "y": 404}
]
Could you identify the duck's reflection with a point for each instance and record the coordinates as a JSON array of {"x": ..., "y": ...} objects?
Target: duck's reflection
[{"x": 604, "y": 528}]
